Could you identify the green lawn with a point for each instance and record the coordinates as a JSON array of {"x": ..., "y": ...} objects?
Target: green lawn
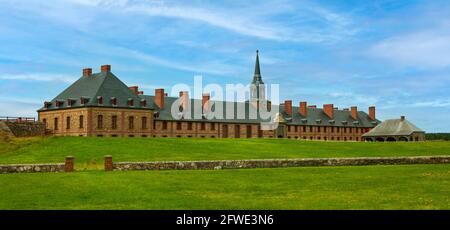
[
  {"x": 89, "y": 152},
  {"x": 357, "y": 187}
]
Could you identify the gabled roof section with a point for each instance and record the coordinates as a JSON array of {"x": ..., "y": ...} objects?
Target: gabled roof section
[
  {"x": 103, "y": 84},
  {"x": 393, "y": 127}
]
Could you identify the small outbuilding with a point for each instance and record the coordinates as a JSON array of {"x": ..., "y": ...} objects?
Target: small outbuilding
[{"x": 395, "y": 130}]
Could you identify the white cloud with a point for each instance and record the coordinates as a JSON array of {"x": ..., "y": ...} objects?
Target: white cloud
[
  {"x": 422, "y": 49},
  {"x": 38, "y": 77}
]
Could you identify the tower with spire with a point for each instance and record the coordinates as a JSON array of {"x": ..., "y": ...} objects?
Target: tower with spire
[{"x": 257, "y": 88}]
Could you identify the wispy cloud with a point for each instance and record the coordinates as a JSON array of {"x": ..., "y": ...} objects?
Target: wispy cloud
[{"x": 38, "y": 77}]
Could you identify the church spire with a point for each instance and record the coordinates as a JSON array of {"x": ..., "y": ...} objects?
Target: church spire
[{"x": 257, "y": 75}]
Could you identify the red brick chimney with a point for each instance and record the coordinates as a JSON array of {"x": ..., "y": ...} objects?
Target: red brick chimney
[
  {"x": 87, "y": 72},
  {"x": 288, "y": 107},
  {"x": 303, "y": 108},
  {"x": 135, "y": 89},
  {"x": 354, "y": 112},
  {"x": 312, "y": 106},
  {"x": 159, "y": 98},
  {"x": 205, "y": 101},
  {"x": 372, "y": 112},
  {"x": 328, "y": 109},
  {"x": 105, "y": 68},
  {"x": 184, "y": 95}
]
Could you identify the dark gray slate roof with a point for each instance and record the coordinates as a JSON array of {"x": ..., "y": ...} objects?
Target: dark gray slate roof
[
  {"x": 393, "y": 127},
  {"x": 104, "y": 84},
  {"x": 316, "y": 116}
]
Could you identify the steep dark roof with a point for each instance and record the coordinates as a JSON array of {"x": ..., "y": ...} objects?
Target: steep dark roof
[
  {"x": 314, "y": 115},
  {"x": 103, "y": 84},
  {"x": 257, "y": 79}
]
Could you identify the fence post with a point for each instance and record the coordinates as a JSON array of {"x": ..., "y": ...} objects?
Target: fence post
[
  {"x": 68, "y": 166},
  {"x": 108, "y": 163}
]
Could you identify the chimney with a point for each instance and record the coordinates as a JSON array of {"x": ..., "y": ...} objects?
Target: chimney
[
  {"x": 105, "y": 68},
  {"x": 159, "y": 98},
  {"x": 205, "y": 101},
  {"x": 87, "y": 72},
  {"x": 184, "y": 95},
  {"x": 135, "y": 89},
  {"x": 288, "y": 107},
  {"x": 303, "y": 108},
  {"x": 402, "y": 118},
  {"x": 354, "y": 112},
  {"x": 372, "y": 112},
  {"x": 312, "y": 106},
  {"x": 328, "y": 109}
]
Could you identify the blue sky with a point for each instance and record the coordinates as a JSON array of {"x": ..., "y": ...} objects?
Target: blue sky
[{"x": 391, "y": 54}]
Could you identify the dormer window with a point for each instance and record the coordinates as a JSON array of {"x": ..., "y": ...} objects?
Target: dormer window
[
  {"x": 83, "y": 100},
  {"x": 100, "y": 100},
  {"x": 58, "y": 103},
  {"x": 356, "y": 122},
  {"x": 113, "y": 101},
  {"x": 130, "y": 102},
  {"x": 344, "y": 122},
  {"x": 331, "y": 121},
  {"x": 144, "y": 103},
  {"x": 47, "y": 104},
  {"x": 70, "y": 102},
  {"x": 318, "y": 121},
  {"x": 156, "y": 115},
  {"x": 304, "y": 120}
]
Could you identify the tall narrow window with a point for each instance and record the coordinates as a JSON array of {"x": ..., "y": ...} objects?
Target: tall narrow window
[
  {"x": 100, "y": 122},
  {"x": 249, "y": 131},
  {"x": 100, "y": 100},
  {"x": 144, "y": 122},
  {"x": 213, "y": 126},
  {"x": 114, "y": 122},
  {"x": 67, "y": 122},
  {"x": 164, "y": 125},
  {"x": 55, "y": 125},
  {"x": 81, "y": 121},
  {"x": 178, "y": 125},
  {"x": 189, "y": 126},
  {"x": 154, "y": 124},
  {"x": 296, "y": 128},
  {"x": 260, "y": 132},
  {"x": 304, "y": 129},
  {"x": 310, "y": 129},
  {"x": 45, "y": 122},
  {"x": 131, "y": 122},
  {"x": 202, "y": 126}
]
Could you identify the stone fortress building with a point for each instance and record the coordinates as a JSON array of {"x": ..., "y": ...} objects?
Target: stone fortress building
[{"x": 100, "y": 104}]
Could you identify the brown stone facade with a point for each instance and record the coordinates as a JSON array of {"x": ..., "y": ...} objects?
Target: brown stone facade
[{"x": 97, "y": 121}]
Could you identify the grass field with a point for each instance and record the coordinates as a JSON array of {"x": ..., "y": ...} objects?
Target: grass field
[
  {"x": 357, "y": 187},
  {"x": 89, "y": 152}
]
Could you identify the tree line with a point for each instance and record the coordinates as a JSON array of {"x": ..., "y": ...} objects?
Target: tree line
[{"x": 437, "y": 136}]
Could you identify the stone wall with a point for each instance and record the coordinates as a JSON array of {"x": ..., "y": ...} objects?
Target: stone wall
[
  {"x": 24, "y": 129},
  {"x": 237, "y": 164},
  {"x": 27, "y": 168}
]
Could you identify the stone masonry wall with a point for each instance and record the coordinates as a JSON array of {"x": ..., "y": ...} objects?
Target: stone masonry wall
[
  {"x": 238, "y": 164},
  {"x": 25, "y": 129},
  {"x": 32, "y": 168}
]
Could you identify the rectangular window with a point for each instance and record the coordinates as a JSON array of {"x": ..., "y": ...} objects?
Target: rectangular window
[
  {"x": 114, "y": 122},
  {"x": 332, "y": 129},
  {"x": 164, "y": 125},
  {"x": 100, "y": 121},
  {"x": 310, "y": 129},
  {"x": 56, "y": 123},
  {"x": 131, "y": 122},
  {"x": 189, "y": 126},
  {"x": 296, "y": 128},
  {"x": 304, "y": 129},
  {"x": 202, "y": 126},
  {"x": 289, "y": 128},
  {"x": 260, "y": 132},
  {"x": 81, "y": 121},
  {"x": 144, "y": 122},
  {"x": 249, "y": 131},
  {"x": 179, "y": 125},
  {"x": 67, "y": 122},
  {"x": 213, "y": 126},
  {"x": 154, "y": 124}
]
